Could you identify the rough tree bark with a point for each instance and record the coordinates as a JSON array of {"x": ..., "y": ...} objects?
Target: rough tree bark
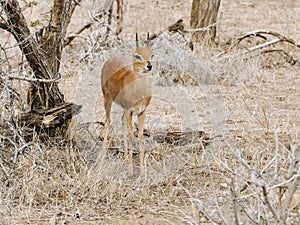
[
  {"x": 43, "y": 52},
  {"x": 204, "y": 14}
]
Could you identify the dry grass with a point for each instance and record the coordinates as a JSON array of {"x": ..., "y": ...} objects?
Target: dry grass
[{"x": 247, "y": 103}]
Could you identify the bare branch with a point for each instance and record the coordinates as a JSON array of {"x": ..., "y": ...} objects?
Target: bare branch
[
  {"x": 236, "y": 209},
  {"x": 120, "y": 13},
  {"x": 260, "y": 33},
  {"x": 35, "y": 79},
  {"x": 3, "y": 169},
  {"x": 263, "y": 45},
  {"x": 288, "y": 58},
  {"x": 291, "y": 190},
  {"x": 70, "y": 38},
  {"x": 17, "y": 26},
  {"x": 4, "y": 26},
  {"x": 268, "y": 203},
  {"x": 202, "y": 29},
  {"x": 71, "y": 11},
  {"x": 106, "y": 10},
  {"x": 201, "y": 207},
  {"x": 272, "y": 33}
]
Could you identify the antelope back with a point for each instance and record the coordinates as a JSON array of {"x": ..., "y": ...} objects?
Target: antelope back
[{"x": 115, "y": 65}]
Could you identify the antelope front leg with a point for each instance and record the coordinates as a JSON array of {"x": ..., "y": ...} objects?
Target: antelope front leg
[
  {"x": 141, "y": 122},
  {"x": 107, "y": 126},
  {"x": 128, "y": 123}
]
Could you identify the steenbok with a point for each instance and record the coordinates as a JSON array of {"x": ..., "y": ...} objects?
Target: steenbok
[{"x": 125, "y": 81}]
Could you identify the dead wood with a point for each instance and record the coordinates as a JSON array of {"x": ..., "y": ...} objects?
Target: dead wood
[
  {"x": 190, "y": 140},
  {"x": 177, "y": 27},
  {"x": 174, "y": 139},
  {"x": 46, "y": 119},
  {"x": 288, "y": 58},
  {"x": 263, "y": 34},
  {"x": 181, "y": 138}
]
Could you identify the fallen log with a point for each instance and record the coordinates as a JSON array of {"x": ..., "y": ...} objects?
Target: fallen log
[{"x": 181, "y": 138}]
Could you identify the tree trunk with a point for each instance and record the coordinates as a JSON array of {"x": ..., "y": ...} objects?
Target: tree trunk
[
  {"x": 204, "y": 14},
  {"x": 109, "y": 6},
  {"x": 43, "y": 53},
  {"x": 47, "y": 95}
]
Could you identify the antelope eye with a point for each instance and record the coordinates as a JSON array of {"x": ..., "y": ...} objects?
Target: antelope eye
[
  {"x": 152, "y": 56},
  {"x": 138, "y": 57}
]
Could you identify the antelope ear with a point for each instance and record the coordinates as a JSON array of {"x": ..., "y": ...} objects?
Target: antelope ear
[
  {"x": 148, "y": 39},
  {"x": 136, "y": 40}
]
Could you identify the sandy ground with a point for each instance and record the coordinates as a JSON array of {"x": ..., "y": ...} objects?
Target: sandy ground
[{"x": 274, "y": 91}]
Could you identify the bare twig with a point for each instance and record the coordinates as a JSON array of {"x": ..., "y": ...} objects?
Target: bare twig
[
  {"x": 276, "y": 153},
  {"x": 20, "y": 150},
  {"x": 288, "y": 58},
  {"x": 282, "y": 184},
  {"x": 201, "y": 207},
  {"x": 244, "y": 210},
  {"x": 3, "y": 169},
  {"x": 268, "y": 203},
  {"x": 202, "y": 29},
  {"x": 35, "y": 79},
  {"x": 235, "y": 204},
  {"x": 238, "y": 156},
  {"x": 291, "y": 190},
  {"x": 109, "y": 19}
]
